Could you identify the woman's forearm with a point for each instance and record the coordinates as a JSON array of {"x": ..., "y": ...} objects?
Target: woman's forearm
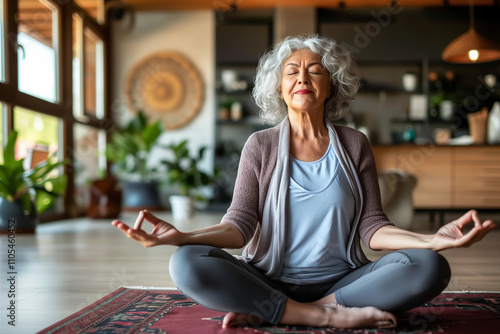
[
  {"x": 223, "y": 235},
  {"x": 394, "y": 238}
]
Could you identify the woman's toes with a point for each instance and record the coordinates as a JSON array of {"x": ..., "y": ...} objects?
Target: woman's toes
[
  {"x": 230, "y": 320},
  {"x": 365, "y": 317}
]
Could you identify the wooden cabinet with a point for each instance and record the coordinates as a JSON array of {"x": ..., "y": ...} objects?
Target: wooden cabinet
[
  {"x": 448, "y": 177},
  {"x": 430, "y": 164},
  {"x": 476, "y": 173}
]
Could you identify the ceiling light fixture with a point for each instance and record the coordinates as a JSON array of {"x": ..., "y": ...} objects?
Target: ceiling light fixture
[{"x": 471, "y": 47}]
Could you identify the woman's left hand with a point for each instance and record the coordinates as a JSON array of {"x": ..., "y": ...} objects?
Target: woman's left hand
[{"x": 451, "y": 235}]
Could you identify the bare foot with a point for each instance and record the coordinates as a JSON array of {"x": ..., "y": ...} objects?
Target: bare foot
[
  {"x": 353, "y": 317},
  {"x": 233, "y": 319},
  {"x": 328, "y": 315}
]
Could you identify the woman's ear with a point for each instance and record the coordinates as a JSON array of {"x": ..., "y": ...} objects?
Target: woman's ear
[{"x": 281, "y": 92}]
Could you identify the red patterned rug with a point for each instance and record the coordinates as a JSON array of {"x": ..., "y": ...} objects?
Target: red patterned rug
[{"x": 167, "y": 311}]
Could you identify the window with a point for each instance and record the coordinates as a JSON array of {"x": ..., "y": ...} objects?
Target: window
[
  {"x": 3, "y": 130},
  {"x": 2, "y": 43},
  {"x": 88, "y": 71},
  {"x": 36, "y": 129},
  {"x": 77, "y": 66},
  {"x": 94, "y": 75},
  {"x": 38, "y": 49},
  {"x": 89, "y": 160},
  {"x": 55, "y": 112},
  {"x": 39, "y": 137}
]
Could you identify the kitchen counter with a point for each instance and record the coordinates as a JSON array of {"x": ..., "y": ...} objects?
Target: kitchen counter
[{"x": 452, "y": 177}]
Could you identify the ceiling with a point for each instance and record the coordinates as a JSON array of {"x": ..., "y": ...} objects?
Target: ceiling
[
  {"x": 35, "y": 16},
  {"x": 150, "y": 5}
]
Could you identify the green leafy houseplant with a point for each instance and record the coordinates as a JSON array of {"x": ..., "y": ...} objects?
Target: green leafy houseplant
[
  {"x": 131, "y": 146},
  {"x": 130, "y": 149},
  {"x": 184, "y": 173},
  {"x": 36, "y": 185}
]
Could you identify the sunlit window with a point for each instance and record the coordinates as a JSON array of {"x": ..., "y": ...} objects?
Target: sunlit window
[
  {"x": 77, "y": 66},
  {"x": 88, "y": 71},
  {"x": 36, "y": 62},
  {"x": 4, "y": 130},
  {"x": 32, "y": 84},
  {"x": 40, "y": 136},
  {"x": 2, "y": 45},
  {"x": 36, "y": 130},
  {"x": 94, "y": 74},
  {"x": 89, "y": 160},
  {"x": 38, "y": 49}
]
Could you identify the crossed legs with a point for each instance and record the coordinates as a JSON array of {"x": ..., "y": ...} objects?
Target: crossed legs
[{"x": 367, "y": 296}]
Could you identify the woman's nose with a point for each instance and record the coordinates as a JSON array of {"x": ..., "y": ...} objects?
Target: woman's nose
[{"x": 303, "y": 77}]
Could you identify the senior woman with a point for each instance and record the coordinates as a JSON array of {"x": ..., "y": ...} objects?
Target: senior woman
[{"x": 306, "y": 195}]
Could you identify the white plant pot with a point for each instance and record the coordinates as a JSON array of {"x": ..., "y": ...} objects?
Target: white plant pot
[{"x": 182, "y": 207}]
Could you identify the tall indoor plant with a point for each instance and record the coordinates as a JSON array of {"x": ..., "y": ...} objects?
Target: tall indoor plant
[
  {"x": 184, "y": 173},
  {"x": 130, "y": 149},
  {"x": 26, "y": 193}
]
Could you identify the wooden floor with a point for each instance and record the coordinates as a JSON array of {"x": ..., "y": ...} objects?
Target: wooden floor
[{"x": 67, "y": 265}]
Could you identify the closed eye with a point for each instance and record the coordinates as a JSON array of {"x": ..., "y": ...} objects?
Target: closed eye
[{"x": 316, "y": 70}]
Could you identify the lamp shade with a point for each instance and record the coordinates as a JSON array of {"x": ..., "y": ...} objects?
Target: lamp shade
[{"x": 458, "y": 50}]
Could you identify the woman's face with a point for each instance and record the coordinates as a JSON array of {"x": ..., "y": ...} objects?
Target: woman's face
[{"x": 305, "y": 83}]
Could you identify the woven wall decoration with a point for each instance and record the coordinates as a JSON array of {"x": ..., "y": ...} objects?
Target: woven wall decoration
[{"x": 166, "y": 86}]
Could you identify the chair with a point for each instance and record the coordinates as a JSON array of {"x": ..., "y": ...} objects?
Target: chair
[{"x": 396, "y": 190}]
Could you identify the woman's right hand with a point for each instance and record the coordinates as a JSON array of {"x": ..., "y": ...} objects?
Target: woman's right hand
[{"x": 163, "y": 233}]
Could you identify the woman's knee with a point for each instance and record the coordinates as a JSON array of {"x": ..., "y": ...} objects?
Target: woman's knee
[
  {"x": 433, "y": 268},
  {"x": 186, "y": 265}
]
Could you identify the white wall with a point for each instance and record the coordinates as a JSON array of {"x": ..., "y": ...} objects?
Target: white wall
[{"x": 191, "y": 33}]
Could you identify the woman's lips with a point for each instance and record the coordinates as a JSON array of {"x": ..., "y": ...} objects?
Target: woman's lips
[{"x": 303, "y": 91}]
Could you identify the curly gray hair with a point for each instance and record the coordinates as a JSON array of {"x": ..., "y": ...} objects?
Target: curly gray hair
[{"x": 334, "y": 57}]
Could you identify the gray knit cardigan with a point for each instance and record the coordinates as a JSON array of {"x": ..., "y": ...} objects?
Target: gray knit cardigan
[{"x": 258, "y": 208}]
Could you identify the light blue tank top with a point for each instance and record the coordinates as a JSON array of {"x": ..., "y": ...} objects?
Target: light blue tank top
[{"x": 320, "y": 210}]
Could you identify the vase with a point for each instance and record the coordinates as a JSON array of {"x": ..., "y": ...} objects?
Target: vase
[
  {"x": 12, "y": 214},
  {"x": 105, "y": 198},
  {"x": 182, "y": 207},
  {"x": 229, "y": 78},
  {"x": 494, "y": 125},
  {"x": 410, "y": 82},
  {"x": 140, "y": 195},
  {"x": 478, "y": 123},
  {"x": 446, "y": 110}
]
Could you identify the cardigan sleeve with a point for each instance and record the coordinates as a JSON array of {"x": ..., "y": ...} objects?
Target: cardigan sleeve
[
  {"x": 243, "y": 211},
  {"x": 372, "y": 215}
]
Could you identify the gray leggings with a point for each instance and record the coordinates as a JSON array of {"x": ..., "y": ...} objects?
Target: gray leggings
[{"x": 397, "y": 282}]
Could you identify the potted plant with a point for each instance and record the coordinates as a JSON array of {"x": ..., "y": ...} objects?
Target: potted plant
[
  {"x": 130, "y": 149},
  {"x": 183, "y": 172},
  {"x": 26, "y": 193}
]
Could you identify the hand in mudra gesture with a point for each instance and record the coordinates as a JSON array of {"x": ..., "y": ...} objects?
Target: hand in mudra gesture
[
  {"x": 451, "y": 235},
  {"x": 163, "y": 233}
]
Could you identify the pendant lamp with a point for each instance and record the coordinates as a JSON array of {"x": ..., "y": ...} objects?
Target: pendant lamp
[{"x": 471, "y": 47}]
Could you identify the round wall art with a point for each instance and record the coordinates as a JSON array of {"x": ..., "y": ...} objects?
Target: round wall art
[{"x": 165, "y": 86}]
